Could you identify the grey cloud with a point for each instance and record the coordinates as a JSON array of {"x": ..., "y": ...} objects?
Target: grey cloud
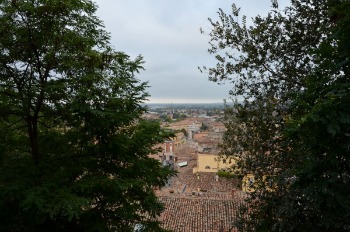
[{"x": 166, "y": 33}]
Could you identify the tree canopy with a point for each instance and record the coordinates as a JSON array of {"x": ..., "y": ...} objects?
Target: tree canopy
[
  {"x": 73, "y": 148},
  {"x": 292, "y": 69}
]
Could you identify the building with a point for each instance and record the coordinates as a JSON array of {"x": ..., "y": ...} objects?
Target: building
[
  {"x": 211, "y": 163},
  {"x": 187, "y": 124},
  {"x": 217, "y": 127},
  {"x": 205, "y": 143},
  {"x": 248, "y": 183},
  {"x": 199, "y": 215},
  {"x": 179, "y": 139},
  {"x": 168, "y": 158}
]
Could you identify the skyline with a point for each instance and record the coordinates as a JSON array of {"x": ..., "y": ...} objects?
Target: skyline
[{"x": 167, "y": 34}]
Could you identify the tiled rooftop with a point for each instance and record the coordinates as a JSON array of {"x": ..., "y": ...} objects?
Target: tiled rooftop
[
  {"x": 198, "y": 215},
  {"x": 198, "y": 203},
  {"x": 203, "y": 184}
]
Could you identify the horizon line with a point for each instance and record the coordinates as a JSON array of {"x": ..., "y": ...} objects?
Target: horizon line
[{"x": 183, "y": 102}]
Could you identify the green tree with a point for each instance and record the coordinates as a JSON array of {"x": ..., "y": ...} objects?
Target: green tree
[
  {"x": 165, "y": 118},
  {"x": 319, "y": 132},
  {"x": 74, "y": 150},
  {"x": 292, "y": 68},
  {"x": 204, "y": 127},
  {"x": 179, "y": 116}
]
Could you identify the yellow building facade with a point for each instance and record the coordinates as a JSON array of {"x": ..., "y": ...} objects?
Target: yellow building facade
[
  {"x": 249, "y": 183},
  {"x": 179, "y": 139},
  {"x": 211, "y": 163}
]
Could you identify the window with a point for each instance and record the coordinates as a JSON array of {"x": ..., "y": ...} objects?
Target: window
[
  {"x": 250, "y": 182},
  {"x": 207, "y": 167}
]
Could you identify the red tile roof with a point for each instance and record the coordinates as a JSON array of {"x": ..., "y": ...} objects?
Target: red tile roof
[
  {"x": 198, "y": 215},
  {"x": 198, "y": 203}
]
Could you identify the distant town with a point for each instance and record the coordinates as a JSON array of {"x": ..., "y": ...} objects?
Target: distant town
[{"x": 202, "y": 193}]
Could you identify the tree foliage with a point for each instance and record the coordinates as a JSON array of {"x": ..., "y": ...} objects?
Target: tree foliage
[
  {"x": 292, "y": 68},
  {"x": 73, "y": 150}
]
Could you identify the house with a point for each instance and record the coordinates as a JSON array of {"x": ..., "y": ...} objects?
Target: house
[
  {"x": 179, "y": 139},
  {"x": 198, "y": 215},
  {"x": 205, "y": 143},
  {"x": 217, "y": 127},
  {"x": 249, "y": 183},
  {"x": 211, "y": 163},
  {"x": 187, "y": 124}
]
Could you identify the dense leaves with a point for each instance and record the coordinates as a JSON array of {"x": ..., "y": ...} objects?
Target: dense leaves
[
  {"x": 292, "y": 130},
  {"x": 73, "y": 151}
]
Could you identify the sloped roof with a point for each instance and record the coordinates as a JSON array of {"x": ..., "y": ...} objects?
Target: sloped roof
[{"x": 198, "y": 215}]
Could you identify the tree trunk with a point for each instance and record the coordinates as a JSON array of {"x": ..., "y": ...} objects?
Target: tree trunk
[{"x": 32, "y": 124}]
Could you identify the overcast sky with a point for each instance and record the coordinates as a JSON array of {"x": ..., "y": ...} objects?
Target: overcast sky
[{"x": 166, "y": 33}]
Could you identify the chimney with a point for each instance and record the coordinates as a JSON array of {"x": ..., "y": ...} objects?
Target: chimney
[{"x": 169, "y": 146}]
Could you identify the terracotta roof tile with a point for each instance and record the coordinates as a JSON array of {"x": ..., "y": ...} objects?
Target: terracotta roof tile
[
  {"x": 198, "y": 203},
  {"x": 198, "y": 215}
]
